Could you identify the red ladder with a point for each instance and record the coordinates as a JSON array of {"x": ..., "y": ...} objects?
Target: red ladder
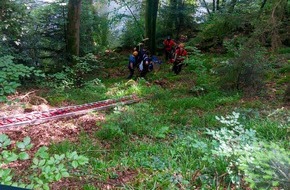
[{"x": 33, "y": 118}]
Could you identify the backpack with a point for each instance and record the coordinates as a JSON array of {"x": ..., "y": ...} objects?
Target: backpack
[
  {"x": 141, "y": 66},
  {"x": 155, "y": 60}
]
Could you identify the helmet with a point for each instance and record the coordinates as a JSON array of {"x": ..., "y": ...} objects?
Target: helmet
[
  {"x": 135, "y": 53},
  {"x": 168, "y": 38},
  {"x": 181, "y": 45}
]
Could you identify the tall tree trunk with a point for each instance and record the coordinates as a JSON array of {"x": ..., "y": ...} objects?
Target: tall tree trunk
[
  {"x": 150, "y": 23},
  {"x": 73, "y": 27},
  {"x": 181, "y": 15},
  {"x": 171, "y": 27},
  {"x": 213, "y": 6},
  {"x": 217, "y": 5},
  {"x": 90, "y": 30}
]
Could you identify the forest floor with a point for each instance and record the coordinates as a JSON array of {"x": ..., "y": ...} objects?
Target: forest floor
[{"x": 70, "y": 129}]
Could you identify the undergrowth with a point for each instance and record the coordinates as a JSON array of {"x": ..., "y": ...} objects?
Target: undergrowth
[{"x": 187, "y": 134}]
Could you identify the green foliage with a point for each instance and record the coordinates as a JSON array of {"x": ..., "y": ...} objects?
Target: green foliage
[
  {"x": 284, "y": 50},
  {"x": 273, "y": 128},
  {"x": 245, "y": 71},
  {"x": 218, "y": 27},
  {"x": 46, "y": 39},
  {"x": 245, "y": 19},
  {"x": 11, "y": 75},
  {"x": 175, "y": 17},
  {"x": 91, "y": 91},
  {"x": 132, "y": 35},
  {"x": 71, "y": 77},
  {"x": 263, "y": 164},
  {"x": 137, "y": 120},
  {"x": 267, "y": 166},
  {"x": 231, "y": 142},
  {"x": 205, "y": 79},
  {"x": 94, "y": 29},
  {"x": 13, "y": 15},
  {"x": 45, "y": 168}
]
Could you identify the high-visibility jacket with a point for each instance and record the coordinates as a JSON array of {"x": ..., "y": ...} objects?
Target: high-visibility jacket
[
  {"x": 180, "y": 54},
  {"x": 168, "y": 44}
]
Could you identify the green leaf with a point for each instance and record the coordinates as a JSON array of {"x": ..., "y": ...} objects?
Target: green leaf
[
  {"x": 8, "y": 179},
  {"x": 42, "y": 162},
  {"x": 275, "y": 183},
  {"x": 3, "y": 137},
  {"x": 20, "y": 145},
  {"x": 22, "y": 185},
  {"x": 58, "y": 177},
  {"x": 28, "y": 147},
  {"x": 60, "y": 166},
  {"x": 82, "y": 160},
  {"x": 41, "y": 152},
  {"x": 4, "y": 141},
  {"x": 26, "y": 141},
  {"x": 51, "y": 161},
  {"x": 72, "y": 155},
  {"x": 39, "y": 181},
  {"x": 3, "y": 99},
  {"x": 23, "y": 156},
  {"x": 12, "y": 157},
  {"x": 30, "y": 186},
  {"x": 65, "y": 174},
  {"x": 46, "y": 187},
  {"x": 47, "y": 169},
  {"x": 75, "y": 164},
  {"x": 35, "y": 161}
]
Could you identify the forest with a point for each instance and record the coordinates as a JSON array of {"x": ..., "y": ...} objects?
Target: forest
[{"x": 71, "y": 118}]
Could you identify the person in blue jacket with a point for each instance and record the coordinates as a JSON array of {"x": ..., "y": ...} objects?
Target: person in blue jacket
[
  {"x": 132, "y": 64},
  {"x": 145, "y": 64}
]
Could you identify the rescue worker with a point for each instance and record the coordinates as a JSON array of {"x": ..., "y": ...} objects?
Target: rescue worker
[
  {"x": 141, "y": 53},
  {"x": 132, "y": 64},
  {"x": 144, "y": 66},
  {"x": 169, "y": 45},
  {"x": 180, "y": 55}
]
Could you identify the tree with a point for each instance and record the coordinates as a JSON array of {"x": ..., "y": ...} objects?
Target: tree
[
  {"x": 73, "y": 27},
  {"x": 94, "y": 27},
  {"x": 12, "y": 17},
  {"x": 150, "y": 23}
]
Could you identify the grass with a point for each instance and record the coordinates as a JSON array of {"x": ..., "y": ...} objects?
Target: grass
[{"x": 163, "y": 138}]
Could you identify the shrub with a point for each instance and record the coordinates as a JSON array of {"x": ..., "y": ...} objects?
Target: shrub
[
  {"x": 245, "y": 71},
  {"x": 268, "y": 166},
  {"x": 263, "y": 165},
  {"x": 231, "y": 142},
  {"x": 11, "y": 74},
  {"x": 45, "y": 168},
  {"x": 73, "y": 76}
]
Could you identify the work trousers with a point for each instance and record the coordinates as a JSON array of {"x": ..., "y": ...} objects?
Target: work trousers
[{"x": 177, "y": 66}]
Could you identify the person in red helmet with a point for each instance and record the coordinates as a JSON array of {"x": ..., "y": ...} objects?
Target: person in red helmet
[
  {"x": 180, "y": 55},
  {"x": 169, "y": 45}
]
